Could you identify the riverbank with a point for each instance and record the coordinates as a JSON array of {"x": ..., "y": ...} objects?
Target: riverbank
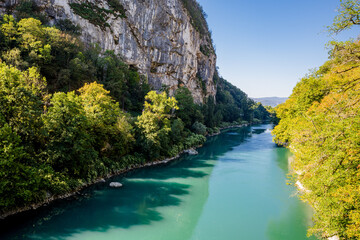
[
  {"x": 183, "y": 199},
  {"x": 98, "y": 180},
  {"x": 228, "y": 127},
  {"x": 302, "y": 189},
  {"x": 103, "y": 178}
]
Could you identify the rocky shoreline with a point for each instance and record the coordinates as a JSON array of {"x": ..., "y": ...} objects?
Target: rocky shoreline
[
  {"x": 190, "y": 151},
  {"x": 50, "y": 199},
  {"x": 99, "y": 180}
]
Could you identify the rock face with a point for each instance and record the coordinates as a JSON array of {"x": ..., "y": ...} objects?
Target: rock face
[{"x": 155, "y": 36}]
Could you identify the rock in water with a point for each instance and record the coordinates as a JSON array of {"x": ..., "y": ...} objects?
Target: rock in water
[
  {"x": 115, "y": 184},
  {"x": 191, "y": 151}
]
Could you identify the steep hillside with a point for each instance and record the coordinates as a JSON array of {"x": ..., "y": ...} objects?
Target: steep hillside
[{"x": 166, "y": 40}]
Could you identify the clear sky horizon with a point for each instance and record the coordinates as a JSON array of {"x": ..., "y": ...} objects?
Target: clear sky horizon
[{"x": 265, "y": 47}]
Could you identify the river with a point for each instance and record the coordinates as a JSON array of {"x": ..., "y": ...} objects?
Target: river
[{"x": 234, "y": 189}]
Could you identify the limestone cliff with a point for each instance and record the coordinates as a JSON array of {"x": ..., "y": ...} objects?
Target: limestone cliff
[{"x": 158, "y": 37}]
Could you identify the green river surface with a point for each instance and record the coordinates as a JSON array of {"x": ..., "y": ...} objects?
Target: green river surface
[{"x": 234, "y": 189}]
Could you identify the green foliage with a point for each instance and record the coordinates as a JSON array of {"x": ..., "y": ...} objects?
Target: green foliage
[
  {"x": 177, "y": 130},
  {"x": 29, "y": 43},
  {"x": 69, "y": 145},
  {"x": 214, "y": 130},
  {"x": 212, "y": 115},
  {"x": 21, "y": 102},
  {"x": 206, "y": 50},
  {"x": 197, "y": 16},
  {"x": 97, "y": 15},
  {"x": 233, "y": 103},
  {"x": 154, "y": 121},
  {"x": 348, "y": 16},
  {"x": 56, "y": 135},
  {"x": 29, "y": 9},
  {"x": 272, "y": 115},
  {"x": 124, "y": 83},
  {"x": 24, "y": 178},
  {"x": 67, "y": 26},
  {"x": 194, "y": 140},
  {"x": 109, "y": 126},
  {"x": 232, "y": 106},
  {"x": 261, "y": 113},
  {"x": 14, "y": 174},
  {"x": 199, "y": 128},
  {"x": 116, "y": 6},
  {"x": 320, "y": 122},
  {"x": 188, "y": 111}
]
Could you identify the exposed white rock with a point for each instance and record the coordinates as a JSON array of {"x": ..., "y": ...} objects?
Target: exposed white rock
[
  {"x": 191, "y": 151},
  {"x": 334, "y": 238},
  {"x": 301, "y": 187},
  {"x": 156, "y": 37},
  {"x": 115, "y": 184}
]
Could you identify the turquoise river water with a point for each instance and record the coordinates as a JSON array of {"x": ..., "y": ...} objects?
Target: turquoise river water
[{"x": 235, "y": 189}]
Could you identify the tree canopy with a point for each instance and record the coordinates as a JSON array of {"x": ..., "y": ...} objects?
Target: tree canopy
[{"x": 348, "y": 16}]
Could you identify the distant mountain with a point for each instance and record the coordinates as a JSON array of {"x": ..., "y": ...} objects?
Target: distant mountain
[{"x": 271, "y": 101}]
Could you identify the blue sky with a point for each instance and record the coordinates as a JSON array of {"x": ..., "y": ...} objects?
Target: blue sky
[{"x": 265, "y": 47}]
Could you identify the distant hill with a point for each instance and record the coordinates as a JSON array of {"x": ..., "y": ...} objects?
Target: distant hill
[{"x": 271, "y": 101}]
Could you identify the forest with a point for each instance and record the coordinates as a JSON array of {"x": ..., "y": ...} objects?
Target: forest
[
  {"x": 70, "y": 113},
  {"x": 320, "y": 124}
]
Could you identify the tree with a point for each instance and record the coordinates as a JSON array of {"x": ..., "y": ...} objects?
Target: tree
[
  {"x": 21, "y": 103},
  {"x": 188, "y": 111},
  {"x": 155, "y": 117},
  {"x": 124, "y": 82},
  {"x": 70, "y": 146},
  {"x": 199, "y": 128},
  {"x": 348, "y": 16},
  {"x": 212, "y": 115},
  {"x": 154, "y": 123},
  {"x": 260, "y": 112},
  {"x": 24, "y": 176},
  {"x": 19, "y": 182},
  {"x": 109, "y": 126}
]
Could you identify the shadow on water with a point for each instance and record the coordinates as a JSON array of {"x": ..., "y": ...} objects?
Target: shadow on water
[
  {"x": 99, "y": 207},
  {"x": 295, "y": 214},
  {"x": 282, "y": 158}
]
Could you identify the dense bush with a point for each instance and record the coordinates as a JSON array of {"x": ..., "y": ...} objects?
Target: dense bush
[
  {"x": 194, "y": 140},
  {"x": 199, "y": 128},
  {"x": 188, "y": 111}
]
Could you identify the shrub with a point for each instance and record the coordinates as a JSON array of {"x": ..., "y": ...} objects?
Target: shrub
[
  {"x": 194, "y": 140},
  {"x": 199, "y": 128}
]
